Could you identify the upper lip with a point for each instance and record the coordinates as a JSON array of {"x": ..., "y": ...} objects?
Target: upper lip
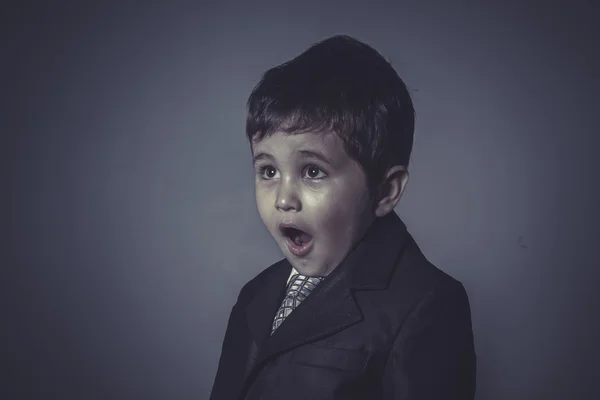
[{"x": 286, "y": 225}]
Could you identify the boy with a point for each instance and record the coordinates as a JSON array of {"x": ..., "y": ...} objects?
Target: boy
[{"x": 354, "y": 310}]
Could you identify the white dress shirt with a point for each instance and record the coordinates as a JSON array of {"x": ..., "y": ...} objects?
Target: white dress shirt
[{"x": 291, "y": 274}]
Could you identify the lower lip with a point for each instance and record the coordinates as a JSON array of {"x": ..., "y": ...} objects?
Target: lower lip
[{"x": 299, "y": 251}]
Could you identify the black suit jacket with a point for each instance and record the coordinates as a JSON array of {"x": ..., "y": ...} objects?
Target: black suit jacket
[{"x": 385, "y": 324}]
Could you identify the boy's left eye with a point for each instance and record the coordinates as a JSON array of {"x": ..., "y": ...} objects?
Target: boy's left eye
[{"x": 313, "y": 172}]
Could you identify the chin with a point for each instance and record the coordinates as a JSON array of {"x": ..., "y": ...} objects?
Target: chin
[{"x": 305, "y": 268}]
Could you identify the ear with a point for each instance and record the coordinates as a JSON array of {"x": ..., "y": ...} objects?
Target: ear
[{"x": 391, "y": 190}]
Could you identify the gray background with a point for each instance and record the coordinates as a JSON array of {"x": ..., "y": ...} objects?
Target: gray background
[{"x": 131, "y": 222}]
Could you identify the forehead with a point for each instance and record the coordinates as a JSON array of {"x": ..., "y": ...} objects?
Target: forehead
[{"x": 284, "y": 145}]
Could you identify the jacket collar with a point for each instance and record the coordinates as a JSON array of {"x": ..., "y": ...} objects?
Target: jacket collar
[{"x": 371, "y": 263}]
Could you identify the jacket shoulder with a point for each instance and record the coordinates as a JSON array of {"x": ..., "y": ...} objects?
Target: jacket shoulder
[{"x": 416, "y": 271}]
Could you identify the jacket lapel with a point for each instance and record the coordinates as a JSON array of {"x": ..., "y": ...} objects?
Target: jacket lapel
[
  {"x": 261, "y": 310},
  {"x": 328, "y": 309}
]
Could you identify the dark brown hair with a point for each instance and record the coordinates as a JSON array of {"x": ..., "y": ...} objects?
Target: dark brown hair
[{"x": 344, "y": 86}]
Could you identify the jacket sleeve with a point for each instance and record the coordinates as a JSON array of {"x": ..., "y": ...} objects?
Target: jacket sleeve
[
  {"x": 230, "y": 371},
  {"x": 433, "y": 355}
]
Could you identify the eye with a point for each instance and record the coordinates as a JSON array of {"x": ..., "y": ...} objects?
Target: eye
[
  {"x": 314, "y": 172},
  {"x": 267, "y": 172},
  {"x": 270, "y": 172}
]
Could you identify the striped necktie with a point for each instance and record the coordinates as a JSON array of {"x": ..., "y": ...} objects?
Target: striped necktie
[{"x": 299, "y": 287}]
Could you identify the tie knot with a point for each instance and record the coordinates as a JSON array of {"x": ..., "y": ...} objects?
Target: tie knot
[{"x": 300, "y": 286}]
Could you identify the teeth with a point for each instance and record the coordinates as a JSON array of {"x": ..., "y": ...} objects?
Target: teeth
[
  {"x": 298, "y": 237},
  {"x": 297, "y": 240}
]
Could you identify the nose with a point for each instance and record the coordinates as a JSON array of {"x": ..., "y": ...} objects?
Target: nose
[{"x": 287, "y": 198}]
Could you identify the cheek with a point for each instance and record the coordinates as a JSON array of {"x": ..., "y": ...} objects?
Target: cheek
[
  {"x": 263, "y": 200},
  {"x": 339, "y": 214},
  {"x": 336, "y": 217},
  {"x": 338, "y": 223}
]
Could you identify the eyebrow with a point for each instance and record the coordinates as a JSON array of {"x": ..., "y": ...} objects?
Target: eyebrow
[
  {"x": 315, "y": 154},
  {"x": 261, "y": 156}
]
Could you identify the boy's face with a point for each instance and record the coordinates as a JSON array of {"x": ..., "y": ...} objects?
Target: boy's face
[{"x": 307, "y": 180}]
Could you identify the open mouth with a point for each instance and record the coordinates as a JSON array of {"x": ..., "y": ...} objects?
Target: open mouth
[
  {"x": 298, "y": 241},
  {"x": 298, "y": 237}
]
